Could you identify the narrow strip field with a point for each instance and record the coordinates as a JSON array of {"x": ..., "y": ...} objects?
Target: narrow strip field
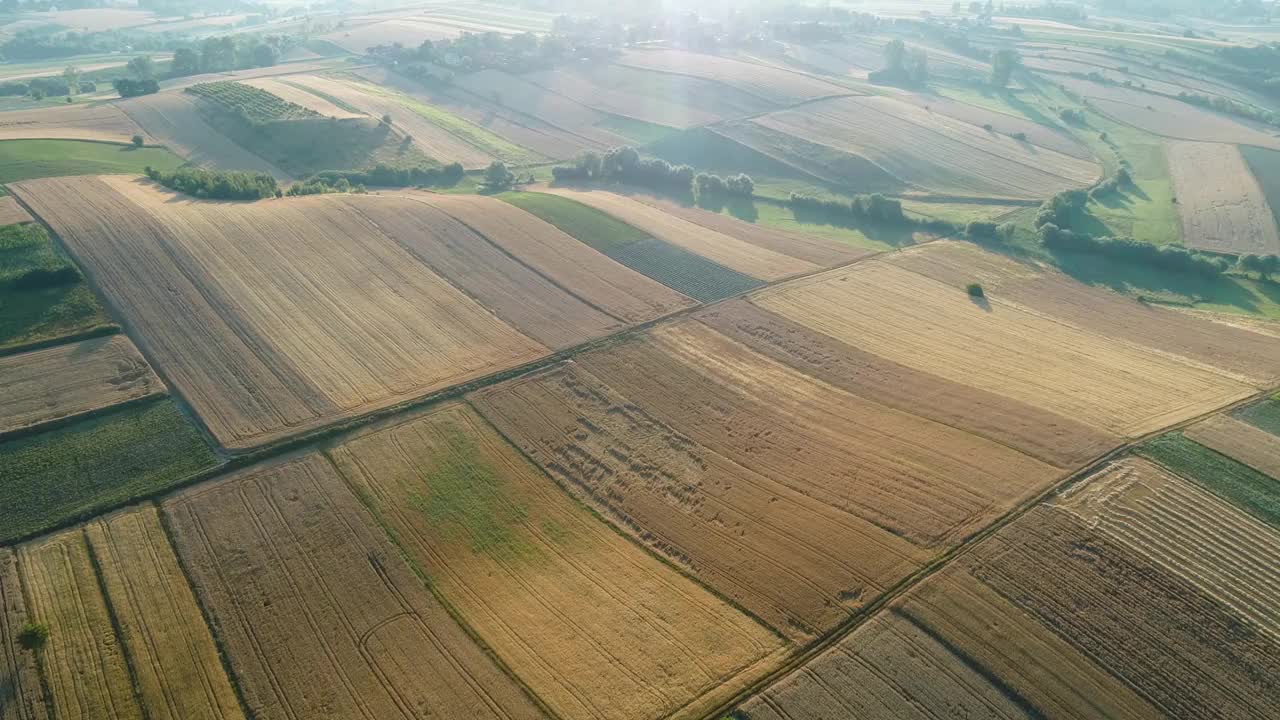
[
  {"x": 279, "y": 316},
  {"x": 1238, "y": 483},
  {"x": 1223, "y": 209},
  {"x": 21, "y": 694},
  {"x": 743, "y": 257},
  {"x": 99, "y": 121},
  {"x": 592, "y": 276},
  {"x": 318, "y": 614},
  {"x": 593, "y": 625},
  {"x": 73, "y": 379},
  {"x": 1252, "y": 446}
]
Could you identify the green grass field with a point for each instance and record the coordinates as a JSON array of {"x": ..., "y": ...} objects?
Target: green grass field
[
  {"x": 1264, "y": 415},
  {"x": 36, "y": 315},
  {"x": 73, "y": 472},
  {"x": 674, "y": 267},
  {"x": 1145, "y": 210},
  {"x": 27, "y": 159},
  {"x": 1238, "y": 483}
]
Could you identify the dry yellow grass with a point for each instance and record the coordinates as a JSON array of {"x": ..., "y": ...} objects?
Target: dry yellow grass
[
  {"x": 99, "y": 121},
  {"x": 1250, "y": 445},
  {"x": 21, "y": 695},
  {"x": 276, "y": 316},
  {"x": 1222, "y": 207},
  {"x": 593, "y": 625},
  {"x": 758, "y": 262},
  {"x": 1004, "y": 348},
  {"x": 83, "y": 662},
  {"x": 318, "y": 614},
  {"x": 592, "y": 276},
  {"x": 72, "y": 379},
  {"x": 175, "y": 663}
]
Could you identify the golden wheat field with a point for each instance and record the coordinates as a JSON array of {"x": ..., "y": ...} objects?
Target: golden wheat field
[{"x": 64, "y": 381}]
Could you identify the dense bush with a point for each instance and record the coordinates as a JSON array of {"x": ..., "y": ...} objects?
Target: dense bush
[
  {"x": 218, "y": 184},
  {"x": 708, "y": 185},
  {"x": 43, "y": 86},
  {"x": 33, "y": 635},
  {"x": 134, "y": 88},
  {"x": 862, "y": 207},
  {"x": 316, "y": 186},
  {"x": 1264, "y": 265},
  {"x": 1059, "y": 208},
  {"x": 1166, "y": 257},
  {"x": 43, "y": 278},
  {"x": 624, "y": 164},
  {"x": 386, "y": 176}
]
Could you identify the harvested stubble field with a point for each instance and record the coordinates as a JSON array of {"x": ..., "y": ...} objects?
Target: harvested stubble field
[
  {"x": 21, "y": 694},
  {"x": 445, "y": 138},
  {"x": 147, "y": 615},
  {"x": 678, "y": 101},
  {"x": 771, "y": 84},
  {"x": 99, "y": 121},
  {"x": 288, "y": 91},
  {"x": 741, "y": 469},
  {"x": 1222, "y": 207},
  {"x": 675, "y": 267},
  {"x": 753, "y": 260},
  {"x": 933, "y": 151},
  {"x": 1186, "y": 651},
  {"x": 509, "y": 124},
  {"x": 1236, "y": 439},
  {"x": 1005, "y": 124},
  {"x": 174, "y": 119},
  {"x": 1115, "y": 386},
  {"x": 406, "y": 32},
  {"x": 594, "y": 626},
  {"x": 516, "y": 92},
  {"x": 811, "y": 159},
  {"x": 279, "y": 316},
  {"x": 11, "y": 213},
  {"x": 73, "y": 379},
  {"x": 1229, "y": 478},
  {"x": 1166, "y": 116},
  {"x": 318, "y": 614},
  {"x": 592, "y": 276}
]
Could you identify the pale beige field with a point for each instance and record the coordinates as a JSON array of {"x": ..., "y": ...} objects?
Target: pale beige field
[
  {"x": 600, "y": 281},
  {"x": 1005, "y": 348},
  {"x": 21, "y": 694},
  {"x": 286, "y": 89},
  {"x": 771, "y": 84},
  {"x": 1250, "y": 445},
  {"x": 1222, "y": 207},
  {"x": 173, "y": 119},
  {"x": 174, "y": 661},
  {"x": 934, "y": 151},
  {"x": 72, "y": 379},
  {"x": 83, "y": 663},
  {"x": 318, "y": 614},
  {"x": 11, "y": 213},
  {"x": 517, "y": 93},
  {"x": 748, "y": 259},
  {"x": 278, "y": 316},
  {"x": 597, "y": 628},
  {"x": 100, "y": 121}
]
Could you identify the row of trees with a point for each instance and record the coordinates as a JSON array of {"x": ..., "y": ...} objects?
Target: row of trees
[
  {"x": 1165, "y": 257},
  {"x": 624, "y": 164},
  {"x": 381, "y": 175},
  {"x": 1264, "y": 265},
  {"x": 217, "y": 184}
]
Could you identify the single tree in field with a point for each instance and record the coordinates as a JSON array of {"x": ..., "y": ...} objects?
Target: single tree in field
[
  {"x": 895, "y": 57},
  {"x": 33, "y": 636},
  {"x": 1002, "y": 66},
  {"x": 137, "y": 141},
  {"x": 72, "y": 76},
  {"x": 498, "y": 177},
  {"x": 142, "y": 68}
]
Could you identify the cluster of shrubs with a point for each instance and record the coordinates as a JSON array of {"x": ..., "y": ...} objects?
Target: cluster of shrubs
[
  {"x": 980, "y": 230},
  {"x": 1167, "y": 257},
  {"x": 1058, "y": 209},
  {"x": 132, "y": 88},
  {"x": 873, "y": 207},
  {"x": 387, "y": 176},
  {"x": 218, "y": 184},
  {"x": 315, "y": 186},
  {"x": 1111, "y": 184},
  {"x": 43, "y": 87},
  {"x": 740, "y": 185},
  {"x": 1264, "y": 265},
  {"x": 624, "y": 164}
]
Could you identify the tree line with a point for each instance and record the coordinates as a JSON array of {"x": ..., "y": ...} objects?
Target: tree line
[{"x": 625, "y": 164}]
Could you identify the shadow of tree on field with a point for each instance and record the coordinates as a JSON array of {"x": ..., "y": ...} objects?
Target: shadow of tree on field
[{"x": 1165, "y": 285}]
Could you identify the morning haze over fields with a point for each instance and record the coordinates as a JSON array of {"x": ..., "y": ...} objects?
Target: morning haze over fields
[{"x": 584, "y": 360}]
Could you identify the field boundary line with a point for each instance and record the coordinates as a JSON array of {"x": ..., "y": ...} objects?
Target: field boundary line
[
  {"x": 130, "y": 662},
  {"x": 72, "y": 419},
  {"x": 102, "y": 330},
  {"x": 801, "y": 659}
]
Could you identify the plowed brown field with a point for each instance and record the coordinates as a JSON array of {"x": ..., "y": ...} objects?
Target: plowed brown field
[
  {"x": 753, "y": 260},
  {"x": 99, "y": 121},
  {"x": 83, "y": 662},
  {"x": 318, "y": 614},
  {"x": 21, "y": 695},
  {"x": 1250, "y": 445},
  {"x": 73, "y": 379},
  {"x": 275, "y": 317},
  {"x": 595, "y": 278},
  {"x": 596, "y": 627},
  {"x": 1001, "y": 347}
]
